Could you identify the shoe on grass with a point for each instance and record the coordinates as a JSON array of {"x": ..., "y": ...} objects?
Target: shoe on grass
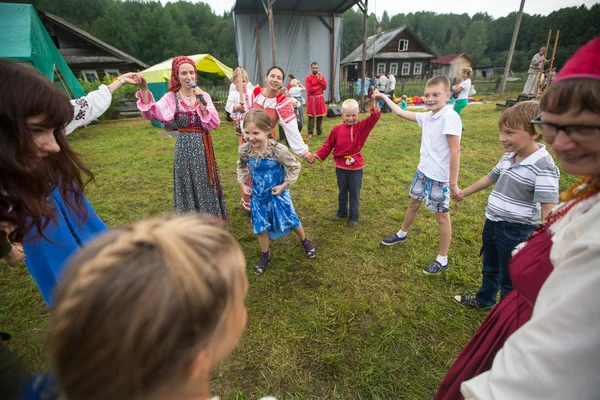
[
  {"x": 309, "y": 249},
  {"x": 262, "y": 265},
  {"x": 337, "y": 217},
  {"x": 435, "y": 268},
  {"x": 352, "y": 224},
  {"x": 388, "y": 241},
  {"x": 469, "y": 301}
]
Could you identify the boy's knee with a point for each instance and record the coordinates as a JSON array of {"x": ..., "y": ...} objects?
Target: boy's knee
[
  {"x": 442, "y": 218},
  {"x": 414, "y": 203}
]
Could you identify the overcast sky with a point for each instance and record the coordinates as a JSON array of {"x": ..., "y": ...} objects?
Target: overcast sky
[{"x": 496, "y": 8}]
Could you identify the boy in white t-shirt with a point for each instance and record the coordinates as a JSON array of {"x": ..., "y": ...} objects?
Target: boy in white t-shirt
[{"x": 437, "y": 174}]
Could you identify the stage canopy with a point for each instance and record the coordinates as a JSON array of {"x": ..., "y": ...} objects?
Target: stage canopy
[{"x": 303, "y": 31}]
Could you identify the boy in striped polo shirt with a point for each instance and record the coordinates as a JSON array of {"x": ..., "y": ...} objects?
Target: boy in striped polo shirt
[{"x": 526, "y": 182}]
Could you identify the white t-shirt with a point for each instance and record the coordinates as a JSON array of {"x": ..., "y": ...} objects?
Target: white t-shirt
[
  {"x": 464, "y": 93},
  {"x": 382, "y": 84},
  {"x": 556, "y": 354},
  {"x": 435, "y": 152},
  {"x": 392, "y": 80}
]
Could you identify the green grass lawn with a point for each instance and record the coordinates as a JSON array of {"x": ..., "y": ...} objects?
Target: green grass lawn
[{"x": 358, "y": 322}]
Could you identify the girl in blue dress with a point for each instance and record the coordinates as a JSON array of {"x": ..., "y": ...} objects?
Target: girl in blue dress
[{"x": 272, "y": 169}]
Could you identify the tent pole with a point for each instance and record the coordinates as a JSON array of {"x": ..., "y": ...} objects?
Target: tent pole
[
  {"x": 272, "y": 32},
  {"x": 511, "y": 50},
  {"x": 365, "y": 6},
  {"x": 540, "y": 80},
  {"x": 260, "y": 73},
  {"x": 332, "y": 80},
  {"x": 552, "y": 59}
]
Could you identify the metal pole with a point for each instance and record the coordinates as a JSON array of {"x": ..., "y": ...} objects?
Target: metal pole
[
  {"x": 364, "y": 56},
  {"x": 260, "y": 72},
  {"x": 513, "y": 42}
]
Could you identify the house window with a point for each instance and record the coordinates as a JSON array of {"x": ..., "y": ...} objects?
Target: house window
[
  {"x": 380, "y": 67},
  {"x": 112, "y": 72},
  {"x": 406, "y": 68},
  {"x": 402, "y": 44},
  {"x": 394, "y": 68},
  {"x": 90, "y": 75},
  {"x": 417, "y": 68}
]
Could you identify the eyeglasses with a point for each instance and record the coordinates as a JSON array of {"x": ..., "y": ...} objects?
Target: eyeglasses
[{"x": 579, "y": 133}]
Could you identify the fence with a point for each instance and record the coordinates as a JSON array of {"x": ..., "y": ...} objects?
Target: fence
[{"x": 416, "y": 88}]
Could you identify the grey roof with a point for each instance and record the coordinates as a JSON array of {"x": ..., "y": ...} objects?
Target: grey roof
[
  {"x": 376, "y": 44},
  {"x": 299, "y": 6},
  {"x": 86, "y": 36}
]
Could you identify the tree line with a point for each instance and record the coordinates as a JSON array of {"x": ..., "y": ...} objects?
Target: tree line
[{"x": 152, "y": 32}]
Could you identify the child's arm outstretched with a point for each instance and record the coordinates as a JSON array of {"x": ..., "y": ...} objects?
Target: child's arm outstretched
[
  {"x": 409, "y": 115},
  {"x": 292, "y": 168},
  {"x": 481, "y": 184}
]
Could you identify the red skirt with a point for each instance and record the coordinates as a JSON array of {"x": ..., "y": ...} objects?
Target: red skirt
[{"x": 529, "y": 269}]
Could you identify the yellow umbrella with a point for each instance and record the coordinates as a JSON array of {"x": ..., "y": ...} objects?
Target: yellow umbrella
[{"x": 204, "y": 62}]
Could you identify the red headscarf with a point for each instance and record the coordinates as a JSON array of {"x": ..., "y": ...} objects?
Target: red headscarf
[
  {"x": 585, "y": 63},
  {"x": 175, "y": 85}
]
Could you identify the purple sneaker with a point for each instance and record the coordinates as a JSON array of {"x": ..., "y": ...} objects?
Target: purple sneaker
[{"x": 308, "y": 248}]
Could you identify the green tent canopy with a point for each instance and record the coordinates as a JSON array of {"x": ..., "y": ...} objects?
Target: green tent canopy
[
  {"x": 23, "y": 38},
  {"x": 158, "y": 75}
]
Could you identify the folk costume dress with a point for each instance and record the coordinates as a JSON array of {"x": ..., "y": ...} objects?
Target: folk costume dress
[
  {"x": 196, "y": 180},
  {"x": 560, "y": 253},
  {"x": 315, "y": 86},
  {"x": 236, "y": 98},
  {"x": 46, "y": 256},
  {"x": 275, "y": 214}
]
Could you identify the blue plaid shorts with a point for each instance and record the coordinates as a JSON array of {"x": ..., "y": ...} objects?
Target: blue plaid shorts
[{"x": 435, "y": 194}]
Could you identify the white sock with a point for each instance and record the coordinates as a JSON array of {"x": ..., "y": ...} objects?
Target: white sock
[
  {"x": 442, "y": 260},
  {"x": 401, "y": 233}
]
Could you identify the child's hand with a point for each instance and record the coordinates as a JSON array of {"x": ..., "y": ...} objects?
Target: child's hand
[
  {"x": 456, "y": 193},
  {"x": 377, "y": 95},
  {"x": 15, "y": 256},
  {"x": 276, "y": 190},
  {"x": 246, "y": 189},
  {"x": 308, "y": 156}
]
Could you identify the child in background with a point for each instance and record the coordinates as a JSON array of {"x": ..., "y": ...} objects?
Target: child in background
[
  {"x": 524, "y": 178},
  {"x": 295, "y": 92},
  {"x": 272, "y": 169},
  {"x": 146, "y": 311},
  {"x": 239, "y": 100},
  {"x": 461, "y": 90},
  {"x": 403, "y": 104},
  {"x": 437, "y": 174},
  {"x": 346, "y": 141}
]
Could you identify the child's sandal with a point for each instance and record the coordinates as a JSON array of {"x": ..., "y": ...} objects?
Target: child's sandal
[
  {"x": 261, "y": 267},
  {"x": 310, "y": 250}
]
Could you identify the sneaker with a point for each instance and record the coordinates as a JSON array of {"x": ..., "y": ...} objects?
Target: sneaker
[
  {"x": 469, "y": 301},
  {"x": 337, "y": 217},
  {"x": 435, "y": 268},
  {"x": 388, "y": 241},
  {"x": 309, "y": 249},
  {"x": 352, "y": 224},
  {"x": 262, "y": 266}
]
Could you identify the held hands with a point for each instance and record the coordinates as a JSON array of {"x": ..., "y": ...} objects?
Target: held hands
[
  {"x": 456, "y": 194},
  {"x": 276, "y": 190},
  {"x": 131, "y": 78},
  {"x": 377, "y": 95},
  {"x": 141, "y": 81},
  {"x": 309, "y": 157},
  {"x": 15, "y": 256},
  {"x": 246, "y": 189}
]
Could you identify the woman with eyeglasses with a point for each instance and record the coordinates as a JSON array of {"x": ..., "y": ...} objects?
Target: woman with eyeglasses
[{"x": 542, "y": 340}]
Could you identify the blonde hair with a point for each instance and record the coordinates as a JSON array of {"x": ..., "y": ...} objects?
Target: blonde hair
[
  {"x": 404, "y": 97},
  {"x": 439, "y": 79},
  {"x": 239, "y": 74},
  {"x": 138, "y": 304},
  {"x": 350, "y": 104},
  {"x": 258, "y": 117},
  {"x": 520, "y": 115},
  {"x": 294, "y": 82},
  {"x": 468, "y": 71}
]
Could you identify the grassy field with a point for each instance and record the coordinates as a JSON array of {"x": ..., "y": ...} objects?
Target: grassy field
[{"x": 358, "y": 322}]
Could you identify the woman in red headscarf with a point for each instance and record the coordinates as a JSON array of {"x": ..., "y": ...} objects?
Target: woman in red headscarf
[
  {"x": 541, "y": 341},
  {"x": 197, "y": 185}
]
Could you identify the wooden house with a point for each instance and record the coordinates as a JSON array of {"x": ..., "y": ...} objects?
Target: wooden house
[
  {"x": 451, "y": 65},
  {"x": 88, "y": 57},
  {"x": 399, "y": 51}
]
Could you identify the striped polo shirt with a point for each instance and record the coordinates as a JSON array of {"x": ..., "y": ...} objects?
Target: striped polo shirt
[{"x": 521, "y": 187}]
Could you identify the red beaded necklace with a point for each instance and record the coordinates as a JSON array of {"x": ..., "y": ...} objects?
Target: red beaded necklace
[{"x": 573, "y": 192}]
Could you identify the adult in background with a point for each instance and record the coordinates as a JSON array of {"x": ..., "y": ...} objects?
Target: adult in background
[
  {"x": 383, "y": 84},
  {"x": 541, "y": 341},
  {"x": 391, "y": 89},
  {"x": 196, "y": 180},
  {"x": 535, "y": 69},
  {"x": 315, "y": 106},
  {"x": 363, "y": 84}
]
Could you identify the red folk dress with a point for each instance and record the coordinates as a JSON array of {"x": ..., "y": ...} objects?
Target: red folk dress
[{"x": 315, "y": 86}]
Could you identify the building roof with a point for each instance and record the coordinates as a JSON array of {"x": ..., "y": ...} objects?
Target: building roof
[
  {"x": 449, "y": 58},
  {"x": 376, "y": 44},
  {"x": 297, "y": 6},
  {"x": 120, "y": 55}
]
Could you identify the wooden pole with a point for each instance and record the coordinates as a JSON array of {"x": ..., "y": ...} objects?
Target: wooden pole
[
  {"x": 537, "y": 90},
  {"x": 513, "y": 42},
  {"x": 553, "y": 55},
  {"x": 260, "y": 72},
  {"x": 333, "y": 60},
  {"x": 364, "y": 56},
  {"x": 272, "y": 32}
]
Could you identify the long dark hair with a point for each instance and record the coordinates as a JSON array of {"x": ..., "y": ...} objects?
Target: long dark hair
[{"x": 24, "y": 190}]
